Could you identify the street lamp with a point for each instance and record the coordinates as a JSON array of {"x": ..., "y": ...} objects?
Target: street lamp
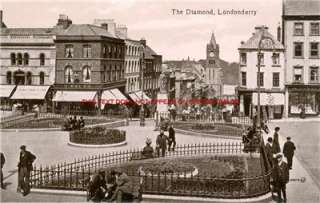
[{"x": 142, "y": 67}]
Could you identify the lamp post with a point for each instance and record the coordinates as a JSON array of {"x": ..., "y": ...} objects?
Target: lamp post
[{"x": 142, "y": 67}]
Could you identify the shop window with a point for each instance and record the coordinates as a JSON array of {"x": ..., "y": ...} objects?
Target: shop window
[
  {"x": 87, "y": 52},
  {"x": 243, "y": 58},
  {"x": 297, "y": 74},
  {"x": 314, "y": 74},
  {"x": 41, "y": 78},
  {"x": 13, "y": 59},
  {"x": 9, "y": 77},
  {"x": 69, "y": 51},
  {"x": 276, "y": 79},
  {"x": 42, "y": 59},
  {"x": 314, "y": 29},
  {"x": 86, "y": 74},
  {"x": 314, "y": 49},
  {"x": 298, "y": 49},
  {"x": 29, "y": 78},
  {"x": 19, "y": 58},
  {"x": 68, "y": 74},
  {"x": 275, "y": 58},
  {"x": 26, "y": 58},
  {"x": 261, "y": 79},
  {"x": 298, "y": 29}
]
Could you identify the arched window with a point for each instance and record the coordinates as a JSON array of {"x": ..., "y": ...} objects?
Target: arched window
[
  {"x": 13, "y": 58},
  {"x": 68, "y": 74},
  {"x": 26, "y": 58},
  {"x": 86, "y": 74},
  {"x": 29, "y": 78},
  {"x": 9, "y": 77},
  {"x": 41, "y": 78},
  {"x": 19, "y": 58},
  {"x": 42, "y": 59}
]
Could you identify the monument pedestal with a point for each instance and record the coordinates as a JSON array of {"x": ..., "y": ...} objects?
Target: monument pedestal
[{"x": 162, "y": 105}]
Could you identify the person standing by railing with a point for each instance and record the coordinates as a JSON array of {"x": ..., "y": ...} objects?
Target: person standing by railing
[
  {"x": 3, "y": 160},
  {"x": 161, "y": 144},
  {"x": 26, "y": 160},
  {"x": 172, "y": 138},
  {"x": 281, "y": 177}
]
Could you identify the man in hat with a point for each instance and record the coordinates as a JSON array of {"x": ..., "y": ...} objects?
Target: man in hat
[
  {"x": 275, "y": 144},
  {"x": 172, "y": 138},
  {"x": 147, "y": 151},
  {"x": 123, "y": 192},
  {"x": 3, "y": 160},
  {"x": 269, "y": 151},
  {"x": 280, "y": 176},
  {"x": 26, "y": 160},
  {"x": 288, "y": 151},
  {"x": 161, "y": 144}
]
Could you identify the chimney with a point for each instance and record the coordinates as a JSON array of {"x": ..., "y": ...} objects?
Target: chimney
[
  {"x": 2, "y": 25},
  {"x": 122, "y": 31},
  {"x": 108, "y": 24},
  {"x": 1, "y": 17},
  {"x": 63, "y": 21},
  {"x": 279, "y": 33},
  {"x": 143, "y": 41}
]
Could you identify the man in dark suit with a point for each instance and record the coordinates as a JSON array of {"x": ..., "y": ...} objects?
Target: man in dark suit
[
  {"x": 281, "y": 177},
  {"x": 24, "y": 168},
  {"x": 269, "y": 151},
  {"x": 3, "y": 160},
  {"x": 288, "y": 151},
  {"x": 172, "y": 138},
  {"x": 161, "y": 144}
]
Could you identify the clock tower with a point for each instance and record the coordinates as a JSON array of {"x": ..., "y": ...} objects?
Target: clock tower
[{"x": 213, "y": 69}]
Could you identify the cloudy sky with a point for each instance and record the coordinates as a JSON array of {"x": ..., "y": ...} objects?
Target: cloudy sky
[{"x": 173, "y": 36}]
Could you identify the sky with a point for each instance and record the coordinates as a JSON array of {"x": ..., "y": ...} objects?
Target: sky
[{"x": 175, "y": 37}]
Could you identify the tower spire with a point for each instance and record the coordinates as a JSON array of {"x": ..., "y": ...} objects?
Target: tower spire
[{"x": 213, "y": 40}]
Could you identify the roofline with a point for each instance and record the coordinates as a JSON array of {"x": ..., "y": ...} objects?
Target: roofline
[
  {"x": 85, "y": 38},
  {"x": 256, "y": 49},
  {"x": 301, "y": 17}
]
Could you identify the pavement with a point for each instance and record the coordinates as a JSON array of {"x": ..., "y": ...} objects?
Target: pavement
[{"x": 51, "y": 147}]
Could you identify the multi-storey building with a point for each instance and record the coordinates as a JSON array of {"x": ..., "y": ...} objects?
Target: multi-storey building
[
  {"x": 27, "y": 58},
  {"x": 301, "y": 38},
  {"x": 89, "y": 66},
  {"x": 271, "y": 75}
]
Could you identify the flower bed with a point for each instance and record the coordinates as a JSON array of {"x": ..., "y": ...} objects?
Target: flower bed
[
  {"x": 205, "y": 126},
  {"x": 98, "y": 135}
]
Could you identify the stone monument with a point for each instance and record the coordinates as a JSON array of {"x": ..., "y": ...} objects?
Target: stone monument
[{"x": 162, "y": 97}]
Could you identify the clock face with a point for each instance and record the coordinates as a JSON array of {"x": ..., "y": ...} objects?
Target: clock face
[{"x": 211, "y": 54}]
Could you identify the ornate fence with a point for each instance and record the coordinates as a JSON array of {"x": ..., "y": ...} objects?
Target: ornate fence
[{"x": 73, "y": 176}]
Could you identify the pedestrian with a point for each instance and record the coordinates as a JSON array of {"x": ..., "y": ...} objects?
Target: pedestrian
[
  {"x": 288, "y": 151},
  {"x": 3, "y": 160},
  {"x": 26, "y": 160},
  {"x": 281, "y": 177},
  {"x": 269, "y": 151},
  {"x": 275, "y": 144},
  {"x": 161, "y": 144},
  {"x": 123, "y": 192},
  {"x": 97, "y": 187},
  {"x": 172, "y": 138},
  {"x": 147, "y": 151}
]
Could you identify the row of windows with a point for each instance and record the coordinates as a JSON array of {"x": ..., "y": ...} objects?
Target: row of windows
[
  {"x": 109, "y": 51},
  {"x": 110, "y": 75},
  {"x": 313, "y": 74},
  {"x": 20, "y": 78},
  {"x": 298, "y": 29},
  {"x": 275, "y": 58},
  {"x": 132, "y": 66},
  {"x": 23, "y": 59},
  {"x": 133, "y": 50},
  {"x": 299, "y": 47},
  {"x": 133, "y": 84},
  {"x": 275, "y": 79}
]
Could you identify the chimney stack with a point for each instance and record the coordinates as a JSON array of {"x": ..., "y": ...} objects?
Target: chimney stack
[
  {"x": 64, "y": 21},
  {"x": 107, "y": 24},
  {"x": 143, "y": 41},
  {"x": 2, "y": 25},
  {"x": 122, "y": 31},
  {"x": 279, "y": 33}
]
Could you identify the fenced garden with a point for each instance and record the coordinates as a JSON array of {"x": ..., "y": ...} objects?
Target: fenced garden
[{"x": 209, "y": 170}]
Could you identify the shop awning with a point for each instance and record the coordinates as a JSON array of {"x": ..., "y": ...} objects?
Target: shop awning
[
  {"x": 74, "y": 96},
  {"x": 118, "y": 94},
  {"x": 268, "y": 99},
  {"x": 6, "y": 90},
  {"x": 140, "y": 94},
  {"x": 30, "y": 92},
  {"x": 134, "y": 97}
]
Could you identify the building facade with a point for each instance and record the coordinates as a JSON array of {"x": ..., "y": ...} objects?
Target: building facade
[
  {"x": 301, "y": 38},
  {"x": 271, "y": 75},
  {"x": 89, "y": 63},
  {"x": 27, "y": 58}
]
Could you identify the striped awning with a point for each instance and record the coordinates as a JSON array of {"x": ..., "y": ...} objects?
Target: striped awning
[
  {"x": 74, "y": 96},
  {"x": 24, "y": 92},
  {"x": 6, "y": 90}
]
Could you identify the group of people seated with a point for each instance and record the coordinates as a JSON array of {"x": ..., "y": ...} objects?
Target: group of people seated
[
  {"x": 251, "y": 137},
  {"x": 72, "y": 123},
  {"x": 114, "y": 186}
]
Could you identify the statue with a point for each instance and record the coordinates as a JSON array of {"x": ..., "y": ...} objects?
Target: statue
[{"x": 163, "y": 83}]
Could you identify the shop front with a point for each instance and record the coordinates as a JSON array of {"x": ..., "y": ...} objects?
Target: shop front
[{"x": 304, "y": 98}]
